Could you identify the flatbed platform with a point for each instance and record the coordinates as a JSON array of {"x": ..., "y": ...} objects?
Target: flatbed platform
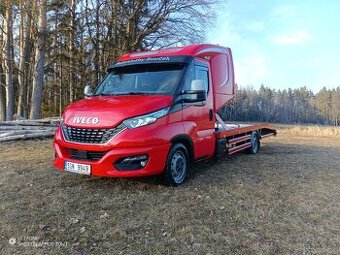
[
  {"x": 232, "y": 138},
  {"x": 264, "y": 130}
]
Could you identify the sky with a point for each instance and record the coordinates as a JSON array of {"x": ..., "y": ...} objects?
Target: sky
[{"x": 281, "y": 43}]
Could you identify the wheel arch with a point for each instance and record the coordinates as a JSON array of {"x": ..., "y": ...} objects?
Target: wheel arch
[{"x": 187, "y": 142}]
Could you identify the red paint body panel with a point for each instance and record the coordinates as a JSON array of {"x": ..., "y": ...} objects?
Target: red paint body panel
[
  {"x": 152, "y": 140},
  {"x": 111, "y": 110},
  {"x": 196, "y": 50},
  {"x": 196, "y": 123},
  {"x": 220, "y": 61}
]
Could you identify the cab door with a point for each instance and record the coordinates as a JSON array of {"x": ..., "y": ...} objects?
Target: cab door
[{"x": 199, "y": 119}]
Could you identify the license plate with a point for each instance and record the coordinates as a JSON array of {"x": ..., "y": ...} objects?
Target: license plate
[{"x": 77, "y": 168}]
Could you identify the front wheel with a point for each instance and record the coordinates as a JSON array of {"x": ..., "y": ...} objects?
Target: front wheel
[{"x": 177, "y": 164}]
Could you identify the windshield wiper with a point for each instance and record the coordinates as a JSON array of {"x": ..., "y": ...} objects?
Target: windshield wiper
[
  {"x": 122, "y": 94},
  {"x": 132, "y": 93},
  {"x": 103, "y": 94}
]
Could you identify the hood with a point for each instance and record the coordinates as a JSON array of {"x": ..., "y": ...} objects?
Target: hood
[{"x": 109, "y": 111}]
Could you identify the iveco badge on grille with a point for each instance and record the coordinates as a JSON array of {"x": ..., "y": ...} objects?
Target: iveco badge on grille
[{"x": 86, "y": 120}]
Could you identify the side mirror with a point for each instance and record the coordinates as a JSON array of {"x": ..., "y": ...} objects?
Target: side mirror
[
  {"x": 87, "y": 91},
  {"x": 196, "y": 94}
]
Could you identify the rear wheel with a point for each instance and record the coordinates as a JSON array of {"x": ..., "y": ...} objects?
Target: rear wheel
[
  {"x": 255, "y": 143},
  {"x": 177, "y": 164}
]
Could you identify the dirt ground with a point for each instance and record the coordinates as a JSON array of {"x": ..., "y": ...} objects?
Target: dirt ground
[{"x": 284, "y": 200}]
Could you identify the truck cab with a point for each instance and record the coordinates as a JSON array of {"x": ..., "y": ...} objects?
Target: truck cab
[{"x": 153, "y": 114}]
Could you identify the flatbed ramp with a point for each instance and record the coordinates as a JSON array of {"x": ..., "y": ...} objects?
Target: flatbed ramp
[{"x": 232, "y": 138}]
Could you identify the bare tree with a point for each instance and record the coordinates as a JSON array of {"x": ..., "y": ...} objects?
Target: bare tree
[
  {"x": 72, "y": 29},
  {"x": 81, "y": 39},
  {"x": 170, "y": 23},
  {"x": 2, "y": 78},
  {"x": 39, "y": 70},
  {"x": 8, "y": 61},
  {"x": 24, "y": 55}
]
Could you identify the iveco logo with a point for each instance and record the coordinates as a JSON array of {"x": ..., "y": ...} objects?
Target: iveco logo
[{"x": 86, "y": 120}]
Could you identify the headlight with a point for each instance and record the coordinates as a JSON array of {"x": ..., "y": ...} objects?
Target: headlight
[{"x": 145, "y": 119}]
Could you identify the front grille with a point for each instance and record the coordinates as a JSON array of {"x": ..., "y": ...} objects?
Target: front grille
[
  {"x": 86, "y": 155},
  {"x": 90, "y": 135}
]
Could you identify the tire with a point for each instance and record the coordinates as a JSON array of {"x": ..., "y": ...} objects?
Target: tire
[
  {"x": 255, "y": 143},
  {"x": 177, "y": 164}
]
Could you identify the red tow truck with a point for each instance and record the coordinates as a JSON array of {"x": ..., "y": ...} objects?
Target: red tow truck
[{"x": 154, "y": 113}]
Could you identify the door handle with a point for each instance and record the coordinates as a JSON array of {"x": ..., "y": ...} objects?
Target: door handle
[{"x": 211, "y": 115}]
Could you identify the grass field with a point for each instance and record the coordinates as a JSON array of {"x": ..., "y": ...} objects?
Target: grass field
[{"x": 284, "y": 200}]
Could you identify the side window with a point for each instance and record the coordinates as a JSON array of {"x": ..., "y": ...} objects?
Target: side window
[
  {"x": 202, "y": 74},
  {"x": 190, "y": 75}
]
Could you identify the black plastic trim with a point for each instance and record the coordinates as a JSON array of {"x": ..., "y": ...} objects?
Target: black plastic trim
[{"x": 184, "y": 137}]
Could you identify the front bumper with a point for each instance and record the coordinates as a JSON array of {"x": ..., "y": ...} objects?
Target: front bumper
[
  {"x": 157, "y": 155},
  {"x": 105, "y": 166}
]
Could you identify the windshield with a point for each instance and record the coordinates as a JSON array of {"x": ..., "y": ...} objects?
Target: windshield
[{"x": 141, "y": 79}]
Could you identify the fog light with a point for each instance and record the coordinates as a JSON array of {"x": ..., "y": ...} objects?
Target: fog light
[{"x": 132, "y": 163}]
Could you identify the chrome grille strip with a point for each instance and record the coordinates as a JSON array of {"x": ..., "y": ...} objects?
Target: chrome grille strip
[{"x": 90, "y": 136}]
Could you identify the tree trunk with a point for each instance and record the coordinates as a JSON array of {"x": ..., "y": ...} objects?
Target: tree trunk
[
  {"x": 25, "y": 54},
  {"x": 61, "y": 87},
  {"x": 38, "y": 79},
  {"x": 82, "y": 68},
  {"x": 56, "y": 52},
  {"x": 2, "y": 82},
  {"x": 114, "y": 41},
  {"x": 72, "y": 50},
  {"x": 8, "y": 68},
  {"x": 2, "y": 97},
  {"x": 96, "y": 57}
]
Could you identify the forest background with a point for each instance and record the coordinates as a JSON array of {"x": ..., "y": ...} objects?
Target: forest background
[{"x": 49, "y": 50}]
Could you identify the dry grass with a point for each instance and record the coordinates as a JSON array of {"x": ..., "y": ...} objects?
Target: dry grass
[
  {"x": 284, "y": 200},
  {"x": 314, "y": 130}
]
